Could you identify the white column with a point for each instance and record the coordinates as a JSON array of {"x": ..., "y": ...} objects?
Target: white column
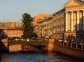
[
  {"x": 66, "y": 21},
  {"x": 77, "y": 20},
  {"x": 83, "y": 20},
  {"x": 72, "y": 21}
]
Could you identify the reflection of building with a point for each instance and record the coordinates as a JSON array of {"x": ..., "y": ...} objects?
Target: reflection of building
[
  {"x": 12, "y": 29},
  {"x": 68, "y": 21}
]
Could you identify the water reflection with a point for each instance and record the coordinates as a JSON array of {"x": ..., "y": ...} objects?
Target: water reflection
[
  {"x": 50, "y": 54},
  {"x": 35, "y": 57}
]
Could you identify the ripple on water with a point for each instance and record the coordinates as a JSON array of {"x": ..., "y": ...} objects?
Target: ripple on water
[{"x": 35, "y": 57}]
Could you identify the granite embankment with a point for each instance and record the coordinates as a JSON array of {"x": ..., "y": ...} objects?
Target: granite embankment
[
  {"x": 70, "y": 52},
  {"x": 15, "y": 48},
  {"x": 23, "y": 48}
]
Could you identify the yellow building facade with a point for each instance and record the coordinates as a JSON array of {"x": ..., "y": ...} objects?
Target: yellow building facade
[
  {"x": 12, "y": 29},
  {"x": 74, "y": 21},
  {"x": 67, "y": 22}
]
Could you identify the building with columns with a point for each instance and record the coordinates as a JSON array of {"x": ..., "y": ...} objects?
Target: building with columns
[
  {"x": 74, "y": 22},
  {"x": 67, "y": 22}
]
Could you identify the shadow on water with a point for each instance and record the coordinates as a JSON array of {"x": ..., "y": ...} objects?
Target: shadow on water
[{"x": 3, "y": 47}]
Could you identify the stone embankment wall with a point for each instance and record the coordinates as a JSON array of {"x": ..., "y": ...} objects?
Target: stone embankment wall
[
  {"x": 23, "y": 48},
  {"x": 15, "y": 48},
  {"x": 69, "y": 51},
  {"x": 29, "y": 48},
  {"x": 76, "y": 53}
]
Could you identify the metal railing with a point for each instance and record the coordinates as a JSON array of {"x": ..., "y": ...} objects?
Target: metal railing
[{"x": 73, "y": 45}]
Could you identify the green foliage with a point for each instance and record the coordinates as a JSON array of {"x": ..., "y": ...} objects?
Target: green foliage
[
  {"x": 28, "y": 29},
  {"x": 11, "y": 42},
  {"x": 42, "y": 42}
]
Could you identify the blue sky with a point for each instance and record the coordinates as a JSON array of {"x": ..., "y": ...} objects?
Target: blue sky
[{"x": 12, "y": 10}]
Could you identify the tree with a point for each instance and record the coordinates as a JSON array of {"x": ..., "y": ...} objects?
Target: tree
[
  {"x": 2, "y": 34},
  {"x": 28, "y": 29}
]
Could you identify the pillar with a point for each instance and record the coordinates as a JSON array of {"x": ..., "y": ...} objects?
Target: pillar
[
  {"x": 77, "y": 20},
  {"x": 66, "y": 20},
  {"x": 72, "y": 21}
]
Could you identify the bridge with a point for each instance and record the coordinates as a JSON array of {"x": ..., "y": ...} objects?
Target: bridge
[
  {"x": 32, "y": 45},
  {"x": 70, "y": 49},
  {"x": 6, "y": 33}
]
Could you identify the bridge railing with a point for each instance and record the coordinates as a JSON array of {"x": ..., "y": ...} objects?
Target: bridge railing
[{"x": 73, "y": 45}]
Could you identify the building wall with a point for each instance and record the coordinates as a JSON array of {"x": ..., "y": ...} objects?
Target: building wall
[
  {"x": 10, "y": 24},
  {"x": 14, "y": 33},
  {"x": 66, "y": 22},
  {"x": 53, "y": 26},
  {"x": 74, "y": 19},
  {"x": 59, "y": 23},
  {"x": 12, "y": 29}
]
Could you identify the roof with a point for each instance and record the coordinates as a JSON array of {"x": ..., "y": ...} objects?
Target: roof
[{"x": 75, "y": 2}]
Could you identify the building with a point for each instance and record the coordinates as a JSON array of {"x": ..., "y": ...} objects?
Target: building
[
  {"x": 37, "y": 19},
  {"x": 65, "y": 23},
  {"x": 14, "y": 32},
  {"x": 10, "y": 24},
  {"x": 12, "y": 29},
  {"x": 53, "y": 26}
]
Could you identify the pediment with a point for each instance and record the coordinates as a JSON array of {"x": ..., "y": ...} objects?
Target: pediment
[{"x": 72, "y": 3}]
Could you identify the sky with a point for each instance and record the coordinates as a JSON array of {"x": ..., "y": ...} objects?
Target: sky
[{"x": 12, "y": 10}]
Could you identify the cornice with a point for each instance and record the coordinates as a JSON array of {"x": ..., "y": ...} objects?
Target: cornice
[
  {"x": 74, "y": 1},
  {"x": 82, "y": 3}
]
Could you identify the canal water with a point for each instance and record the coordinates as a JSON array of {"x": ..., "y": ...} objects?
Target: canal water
[{"x": 36, "y": 57}]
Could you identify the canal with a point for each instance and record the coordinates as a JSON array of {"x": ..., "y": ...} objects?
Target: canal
[{"x": 36, "y": 57}]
